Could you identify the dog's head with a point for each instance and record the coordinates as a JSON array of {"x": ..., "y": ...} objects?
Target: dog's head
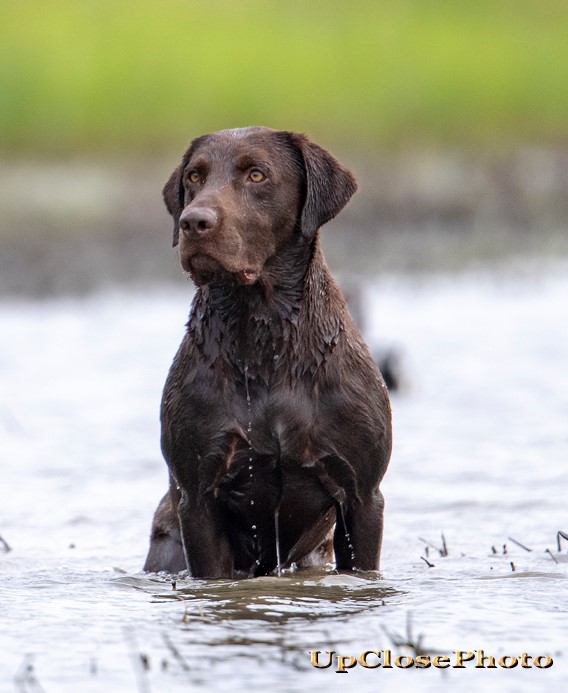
[{"x": 239, "y": 195}]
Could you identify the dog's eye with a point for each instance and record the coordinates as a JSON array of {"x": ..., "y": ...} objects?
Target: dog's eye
[
  {"x": 256, "y": 176},
  {"x": 193, "y": 177}
]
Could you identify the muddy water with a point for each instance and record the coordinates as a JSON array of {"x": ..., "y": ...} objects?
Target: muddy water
[{"x": 481, "y": 444}]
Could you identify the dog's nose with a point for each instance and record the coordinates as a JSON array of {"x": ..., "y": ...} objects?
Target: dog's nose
[{"x": 198, "y": 221}]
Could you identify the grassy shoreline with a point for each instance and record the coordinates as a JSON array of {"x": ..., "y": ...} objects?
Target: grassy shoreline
[{"x": 138, "y": 76}]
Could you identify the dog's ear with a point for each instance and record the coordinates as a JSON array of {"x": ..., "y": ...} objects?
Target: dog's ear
[
  {"x": 173, "y": 194},
  {"x": 329, "y": 185}
]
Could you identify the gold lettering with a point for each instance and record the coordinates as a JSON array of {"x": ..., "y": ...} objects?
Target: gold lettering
[
  {"x": 314, "y": 659},
  {"x": 525, "y": 661},
  {"x": 461, "y": 657},
  {"x": 503, "y": 662},
  {"x": 440, "y": 661},
  {"x": 400, "y": 665},
  {"x": 387, "y": 664},
  {"x": 363, "y": 659},
  {"x": 538, "y": 662},
  {"x": 423, "y": 662},
  {"x": 344, "y": 663},
  {"x": 480, "y": 662}
]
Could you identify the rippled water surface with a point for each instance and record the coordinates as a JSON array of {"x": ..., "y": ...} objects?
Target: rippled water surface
[{"x": 481, "y": 443}]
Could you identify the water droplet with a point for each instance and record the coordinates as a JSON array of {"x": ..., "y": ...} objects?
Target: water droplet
[
  {"x": 278, "y": 561},
  {"x": 250, "y": 466},
  {"x": 247, "y": 385},
  {"x": 252, "y": 502}
]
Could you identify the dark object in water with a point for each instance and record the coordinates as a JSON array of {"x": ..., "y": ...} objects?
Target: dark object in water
[
  {"x": 389, "y": 363},
  {"x": 276, "y": 422},
  {"x": 388, "y": 359}
]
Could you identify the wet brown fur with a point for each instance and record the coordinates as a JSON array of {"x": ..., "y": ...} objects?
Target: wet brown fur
[{"x": 274, "y": 415}]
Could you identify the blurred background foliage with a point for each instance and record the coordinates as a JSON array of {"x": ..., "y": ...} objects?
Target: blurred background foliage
[
  {"x": 453, "y": 114},
  {"x": 138, "y": 76}
]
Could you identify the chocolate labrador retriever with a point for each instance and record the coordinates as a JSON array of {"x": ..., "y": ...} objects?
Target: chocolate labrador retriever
[{"x": 276, "y": 422}]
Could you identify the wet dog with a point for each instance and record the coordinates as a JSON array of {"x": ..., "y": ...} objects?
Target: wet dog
[{"x": 276, "y": 422}]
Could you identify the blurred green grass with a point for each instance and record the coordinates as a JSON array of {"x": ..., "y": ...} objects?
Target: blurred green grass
[{"x": 125, "y": 76}]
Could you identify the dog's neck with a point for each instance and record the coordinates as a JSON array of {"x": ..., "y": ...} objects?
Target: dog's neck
[{"x": 256, "y": 329}]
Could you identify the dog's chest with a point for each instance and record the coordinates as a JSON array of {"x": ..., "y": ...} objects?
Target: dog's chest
[
  {"x": 275, "y": 455},
  {"x": 275, "y": 420}
]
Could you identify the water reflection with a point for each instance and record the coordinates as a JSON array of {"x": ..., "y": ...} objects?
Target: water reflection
[{"x": 311, "y": 595}]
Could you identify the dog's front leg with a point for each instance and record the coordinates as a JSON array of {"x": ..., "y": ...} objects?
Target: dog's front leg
[
  {"x": 202, "y": 516},
  {"x": 359, "y": 532},
  {"x": 206, "y": 546}
]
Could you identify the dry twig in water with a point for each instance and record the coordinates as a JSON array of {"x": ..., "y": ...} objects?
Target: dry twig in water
[
  {"x": 518, "y": 543},
  {"x": 175, "y": 652},
  {"x": 442, "y": 551},
  {"x": 415, "y": 645},
  {"x": 549, "y": 552},
  {"x": 140, "y": 662}
]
